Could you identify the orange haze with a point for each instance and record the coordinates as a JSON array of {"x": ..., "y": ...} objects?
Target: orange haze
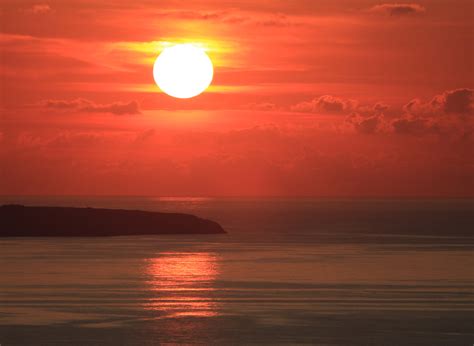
[{"x": 322, "y": 98}]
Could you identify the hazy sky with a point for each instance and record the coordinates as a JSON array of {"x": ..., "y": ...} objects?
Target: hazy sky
[{"x": 321, "y": 98}]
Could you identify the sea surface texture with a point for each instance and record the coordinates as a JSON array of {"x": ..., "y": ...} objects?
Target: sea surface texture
[{"x": 289, "y": 271}]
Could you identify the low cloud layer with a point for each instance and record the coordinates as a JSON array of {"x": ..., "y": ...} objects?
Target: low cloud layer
[
  {"x": 38, "y": 9},
  {"x": 329, "y": 104},
  {"x": 457, "y": 101},
  {"x": 86, "y": 106},
  {"x": 367, "y": 124},
  {"x": 326, "y": 104},
  {"x": 447, "y": 113},
  {"x": 398, "y": 9}
]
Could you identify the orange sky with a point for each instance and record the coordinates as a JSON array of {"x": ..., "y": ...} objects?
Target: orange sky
[{"x": 310, "y": 98}]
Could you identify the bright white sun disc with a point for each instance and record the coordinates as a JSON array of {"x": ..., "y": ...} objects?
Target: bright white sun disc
[{"x": 183, "y": 71}]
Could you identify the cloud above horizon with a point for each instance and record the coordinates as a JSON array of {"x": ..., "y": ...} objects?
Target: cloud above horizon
[
  {"x": 444, "y": 115},
  {"x": 322, "y": 97},
  {"x": 326, "y": 104},
  {"x": 457, "y": 101},
  {"x": 397, "y": 10},
  {"x": 87, "y": 106},
  {"x": 38, "y": 9}
]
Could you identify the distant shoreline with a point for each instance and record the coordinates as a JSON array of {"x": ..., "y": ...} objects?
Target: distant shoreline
[{"x": 22, "y": 221}]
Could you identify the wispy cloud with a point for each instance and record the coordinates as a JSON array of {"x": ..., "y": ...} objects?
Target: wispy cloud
[
  {"x": 86, "y": 106},
  {"x": 398, "y": 9},
  {"x": 38, "y": 9}
]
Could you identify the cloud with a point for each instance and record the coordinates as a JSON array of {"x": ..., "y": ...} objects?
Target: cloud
[
  {"x": 414, "y": 106},
  {"x": 64, "y": 104},
  {"x": 230, "y": 16},
  {"x": 329, "y": 104},
  {"x": 407, "y": 124},
  {"x": 80, "y": 139},
  {"x": 457, "y": 101},
  {"x": 145, "y": 135},
  {"x": 367, "y": 124},
  {"x": 326, "y": 104},
  {"x": 412, "y": 125},
  {"x": 261, "y": 106},
  {"x": 86, "y": 106},
  {"x": 398, "y": 9},
  {"x": 118, "y": 108},
  {"x": 460, "y": 101},
  {"x": 445, "y": 115},
  {"x": 39, "y": 9},
  {"x": 227, "y": 16},
  {"x": 380, "y": 108}
]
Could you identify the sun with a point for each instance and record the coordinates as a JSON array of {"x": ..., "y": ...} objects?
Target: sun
[{"x": 183, "y": 71}]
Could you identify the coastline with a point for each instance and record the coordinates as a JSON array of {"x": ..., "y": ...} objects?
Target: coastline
[{"x": 22, "y": 221}]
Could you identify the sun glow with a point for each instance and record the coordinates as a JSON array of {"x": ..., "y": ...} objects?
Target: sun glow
[{"x": 183, "y": 71}]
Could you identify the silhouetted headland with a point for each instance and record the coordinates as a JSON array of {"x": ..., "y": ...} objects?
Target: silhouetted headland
[{"x": 21, "y": 221}]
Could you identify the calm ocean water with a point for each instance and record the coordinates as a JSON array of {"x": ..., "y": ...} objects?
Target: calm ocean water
[{"x": 290, "y": 271}]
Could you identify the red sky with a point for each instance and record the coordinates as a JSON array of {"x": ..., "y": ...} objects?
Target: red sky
[{"x": 310, "y": 98}]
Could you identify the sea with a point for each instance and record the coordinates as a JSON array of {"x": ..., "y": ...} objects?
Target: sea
[{"x": 289, "y": 271}]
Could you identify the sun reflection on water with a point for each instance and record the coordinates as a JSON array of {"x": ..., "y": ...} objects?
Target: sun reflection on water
[{"x": 182, "y": 283}]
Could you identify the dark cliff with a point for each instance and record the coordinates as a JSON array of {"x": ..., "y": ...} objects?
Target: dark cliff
[{"x": 21, "y": 221}]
